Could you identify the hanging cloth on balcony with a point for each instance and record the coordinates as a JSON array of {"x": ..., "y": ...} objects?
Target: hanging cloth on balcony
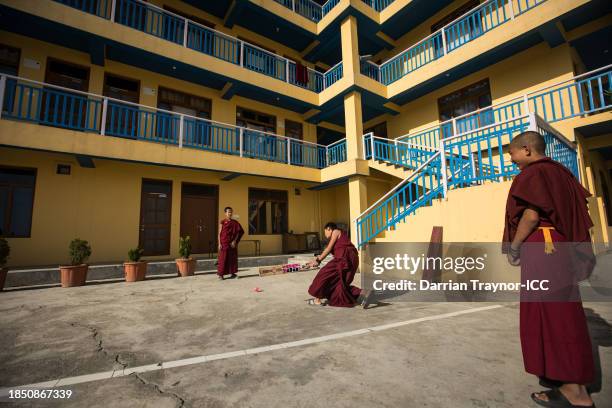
[{"x": 301, "y": 74}]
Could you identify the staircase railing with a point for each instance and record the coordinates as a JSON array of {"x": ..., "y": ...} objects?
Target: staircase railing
[
  {"x": 461, "y": 160},
  {"x": 395, "y": 151}
]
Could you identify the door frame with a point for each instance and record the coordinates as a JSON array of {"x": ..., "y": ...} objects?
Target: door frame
[{"x": 216, "y": 197}]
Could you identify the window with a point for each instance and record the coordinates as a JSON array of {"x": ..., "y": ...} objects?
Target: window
[
  {"x": 255, "y": 120},
  {"x": 197, "y": 133},
  {"x": 466, "y": 100},
  {"x": 16, "y": 201},
  {"x": 9, "y": 60},
  {"x": 294, "y": 129},
  {"x": 267, "y": 211},
  {"x": 379, "y": 130}
]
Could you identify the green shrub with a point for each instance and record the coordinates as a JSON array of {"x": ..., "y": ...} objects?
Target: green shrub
[
  {"x": 134, "y": 254},
  {"x": 80, "y": 250},
  {"x": 185, "y": 247},
  {"x": 5, "y": 250}
]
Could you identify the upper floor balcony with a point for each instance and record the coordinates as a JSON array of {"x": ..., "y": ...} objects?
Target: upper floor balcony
[
  {"x": 119, "y": 124},
  {"x": 451, "y": 37},
  {"x": 184, "y": 32}
]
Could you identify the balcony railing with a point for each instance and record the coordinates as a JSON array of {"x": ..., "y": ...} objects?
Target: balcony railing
[
  {"x": 45, "y": 104},
  {"x": 315, "y": 11},
  {"x": 378, "y": 5},
  {"x": 395, "y": 152},
  {"x": 163, "y": 24},
  {"x": 585, "y": 94},
  {"x": 464, "y": 29},
  {"x": 333, "y": 75}
]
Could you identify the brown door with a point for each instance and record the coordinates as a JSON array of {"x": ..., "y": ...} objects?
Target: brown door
[
  {"x": 155, "y": 211},
  {"x": 122, "y": 119},
  {"x": 199, "y": 209}
]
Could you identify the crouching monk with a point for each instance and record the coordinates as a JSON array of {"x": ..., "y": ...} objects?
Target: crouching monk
[
  {"x": 547, "y": 233},
  {"x": 333, "y": 281},
  {"x": 229, "y": 236}
]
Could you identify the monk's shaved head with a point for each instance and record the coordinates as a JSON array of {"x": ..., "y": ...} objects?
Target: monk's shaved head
[{"x": 533, "y": 140}]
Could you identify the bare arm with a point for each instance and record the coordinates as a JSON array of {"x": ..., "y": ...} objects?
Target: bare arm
[
  {"x": 334, "y": 237},
  {"x": 528, "y": 222}
]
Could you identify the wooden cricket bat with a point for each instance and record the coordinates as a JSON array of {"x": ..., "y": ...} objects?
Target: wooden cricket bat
[{"x": 282, "y": 269}]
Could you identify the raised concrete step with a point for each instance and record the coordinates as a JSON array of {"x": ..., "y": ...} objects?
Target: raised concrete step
[{"x": 50, "y": 276}]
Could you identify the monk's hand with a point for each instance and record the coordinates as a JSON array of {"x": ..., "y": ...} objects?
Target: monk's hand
[
  {"x": 233, "y": 244},
  {"x": 220, "y": 247},
  {"x": 514, "y": 256}
]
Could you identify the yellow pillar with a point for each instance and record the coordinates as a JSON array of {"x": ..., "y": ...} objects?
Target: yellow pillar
[
  {"x": 350, "y": 48},
  {"x": 353, "y": 125},
  {"x": 358, "y": 201}
]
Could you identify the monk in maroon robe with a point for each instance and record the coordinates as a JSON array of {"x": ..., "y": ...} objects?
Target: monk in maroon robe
[
  {"x": 547, "y": 233},
  {"x": 333, "y": 281},
  {"x": 229, "y": 236}
]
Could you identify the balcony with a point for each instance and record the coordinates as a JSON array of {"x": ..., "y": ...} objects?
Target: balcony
[
  {"x": 463, "y": 30},
  {"x": 50, "y": 105},
  {"x": 171, "y": 27},
  {"x": 315, "y": 11}
]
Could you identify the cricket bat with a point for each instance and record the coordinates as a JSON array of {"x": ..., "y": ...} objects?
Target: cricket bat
[{"x": 282, "y": 269}]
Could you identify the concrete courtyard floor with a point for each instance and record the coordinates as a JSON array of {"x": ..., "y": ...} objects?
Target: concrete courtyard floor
[{"x": 177, "y": 333}]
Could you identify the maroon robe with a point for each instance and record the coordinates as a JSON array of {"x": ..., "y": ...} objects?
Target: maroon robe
[
  {"x": 554, "y": 335},
  {"x": 333, "y": 281},
  {"x": 231, "y": 230}
]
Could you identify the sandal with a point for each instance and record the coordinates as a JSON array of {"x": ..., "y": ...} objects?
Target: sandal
[
  {"x": 556, "y": 399},
  {"x": 312, "y": 302}
]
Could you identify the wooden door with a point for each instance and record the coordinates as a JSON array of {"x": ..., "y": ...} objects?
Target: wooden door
[
  {"x": 199, "y": 210},
  {"x": 155, "y": 214}
]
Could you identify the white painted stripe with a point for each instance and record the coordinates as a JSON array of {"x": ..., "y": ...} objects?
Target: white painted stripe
[{"x": 223, "y": 356}]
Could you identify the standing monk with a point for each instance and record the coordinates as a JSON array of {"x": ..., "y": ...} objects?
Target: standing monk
[
  {"x": 229, "y": 236},
  {"x": 333, "y": 281},
  {"x": 546, "y": 210}
]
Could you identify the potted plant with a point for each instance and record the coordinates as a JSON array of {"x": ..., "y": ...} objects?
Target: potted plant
[
  {"x": 135, "y": 269},
  {"x": 4, "y": 254},
  {"x": 185, "y": 264},
  {"x": 75, "y": 274}
]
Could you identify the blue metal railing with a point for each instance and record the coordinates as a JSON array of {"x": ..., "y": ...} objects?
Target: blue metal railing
[
  {"x": 585, "y": 94},
  {"x": 469, "y": 159},
  {"x": 101, "y": 8},
  {"x": 336, "y": 152},
  {"x": 370, "y": 69},
  {"x": 475, "y": 23},
  {"x": 395, "y": 152},
  {"x": 150, "y": 20},
  {"x": 50, "y": 105},
  {"x": 418, "y": 190},
  {"x": 163, "y": 24},
  {"x": 333, "y": 75},
  {"x": 378, "y": 5}
]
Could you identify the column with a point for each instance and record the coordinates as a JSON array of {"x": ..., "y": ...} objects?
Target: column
[
  {"x": 350, "y": 48},
  {"x": 358, "y": 201},
  {"x": 354, "y": 126}
]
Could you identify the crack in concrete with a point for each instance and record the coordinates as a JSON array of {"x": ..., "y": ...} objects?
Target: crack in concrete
[
  {"x": 186, "y": 296},
  {"x": 180, "y": 400},
  {"x": 118, "y": 360}
]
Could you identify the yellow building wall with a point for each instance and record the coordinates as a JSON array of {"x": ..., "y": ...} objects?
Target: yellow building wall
[{"x": 102, "y": 205}]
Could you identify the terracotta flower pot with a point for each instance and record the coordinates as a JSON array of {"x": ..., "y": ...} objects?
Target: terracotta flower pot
[
  {"x": 186, "y": 267},
  {"x": 135, "y": 271},
  {"x": 73, "y": 275},
  {"x": 3, "y": 272}
]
